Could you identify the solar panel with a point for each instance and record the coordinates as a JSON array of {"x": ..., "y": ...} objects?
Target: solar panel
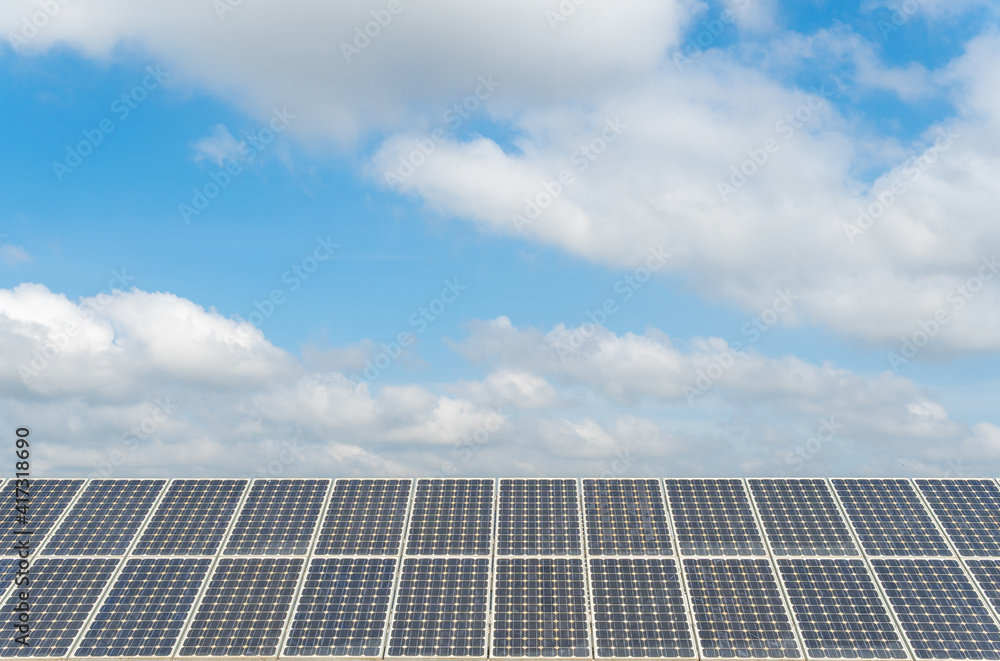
[
  {"x": 343, "y": 608},
  {"x": 277, "y": 518},
  {"x": 987, "y": 573},
  {"x": 800, "y": 517},
  {"x": 451, "y": 517},
  {"x": 365, "y": 517},
  {"x": 639, "y": 609},
  {"x": 244, "y": 609},
  {"x": 192, "y": 518},
  {"x": 540, "y": 608},
  {"x": 61, "y": 594},
  {"x": 46, "y": 501},
  {"x": 441, "y": 608},
  {"x": 625, "y": 517},
  {"x": 889, "y": 517},
  {"x": 738, "y": 611},
  {"x": 939, "y": 610},
  {"x": 839, "y": 610},
  {"x": 713, "y": 517},
  {"x": 969, "y": 512},
  {"x": 538, "y": 517},
  {"x": 105, "y": 519},
  {"x": 144, "y": 612}
]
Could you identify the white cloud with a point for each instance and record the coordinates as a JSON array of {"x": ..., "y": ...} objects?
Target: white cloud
[
  {"x": 12, "y": 255},
  {"x": 220, "y": 147}
]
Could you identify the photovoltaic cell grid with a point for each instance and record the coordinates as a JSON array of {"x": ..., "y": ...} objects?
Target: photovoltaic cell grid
[
  {"x": 144, "y": 612},
  {"x": 441, "y": 608},
  {"x": 62, "y": 593},
  {"x": 987, "y": 572},
  {"x": 538, "y": 517},
  {"x": 277, "y": 518},
  {"x": 365, "y": 517},
  {"x": 105, "y": 519},
  {"x": 451, "y": 517},
  {"x": 243, "y": 611},
  {"x": 737, "y": 609},
  {"x": 939, "y": 610},
  {"x": 639, "y": 608},
  {"x": 800, "y": 517},
  {"x": 540, "y": 608},
  {"x": 192, "y": 518},
  {"x": 969, "y": 512},
  {"x": 342, "y": 608},
  {"x": 46, "y": 501},
  {"x": 625, "y": 517},
  {"x": 839, "y": 610},
  {"x": 889, "y": 518},
  {"x": 713, "y": 517}
]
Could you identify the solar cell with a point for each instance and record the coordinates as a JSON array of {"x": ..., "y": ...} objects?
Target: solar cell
[
  {"x": 625, "y": 517},
  {"x": 800, "y": 517},
  {"x": 192, "y": 518},
  {"x": 639, "y": 609},
  {"x": 47, "y": 499},
  {"x": 737, "y": 609},
  {"x": 540, "y": 608},
  {"x": 243, "y": 611},
  {"x": 451, "y": 517},
  {"x": 105, "y": 519},
  {"x": 61, "y": 594},
  {"x": 441, "y": 608},
  {"x": 839, "y": 611},
  {"x": 365, "y": 517},
  {"x": 939, "y": 610},
  {"x": 342, "y": 608},
  {"x": 969, "y": 512},
  {"x": 889, "y": 518},
  {"x": 538, "y": 517},
  {"x": 713, "y": 517},
  {"x": 277, "y": 518},
  {"x": 144, "y": 612},
  {"x": 987, "y": 573}
]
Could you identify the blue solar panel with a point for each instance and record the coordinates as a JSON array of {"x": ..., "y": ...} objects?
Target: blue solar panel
[
  {"x": 343, "y": 608},
  {"x": 441, "y": 608},
  {"x": 277, "y": 518},
  {"x": 451, "y": 517},
  {"x": 538, "y": 517},
  {"x": 889, "y": 517},
  {"x": 738, "y": 611},
  {"x": 145, "y": 610},
  {"x": 61, "y": 595},
  {"x": 839, "y": 610},
  {"x": 192, "y": 518},
  {"x": 987, "y": 573},
  {"x": 939, "y": 610},
  {"x": 625, "y": 517},
  {"x": 639, "y": 609},
  {"x": 46, "y": 501},
  {"x": 969, "y": 512},
  {"x": 105, "y": 519},
  {"x": 713, "y": 517},
  {"x": 801, "y": 517},
  {"x": 365, "y": 517}
]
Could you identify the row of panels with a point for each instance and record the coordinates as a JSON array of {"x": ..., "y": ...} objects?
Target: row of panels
[
  {"x": 421, "y": 607},
  {"x": 524, "y": 517}
]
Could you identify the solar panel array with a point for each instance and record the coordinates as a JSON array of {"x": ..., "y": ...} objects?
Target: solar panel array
[{"x": 517, "y": 568}]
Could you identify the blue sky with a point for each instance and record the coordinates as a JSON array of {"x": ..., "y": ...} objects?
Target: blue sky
[{"x": 698, "y": 90}]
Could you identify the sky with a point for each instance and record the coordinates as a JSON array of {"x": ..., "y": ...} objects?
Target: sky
[{"x": 560, "y": 238}]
